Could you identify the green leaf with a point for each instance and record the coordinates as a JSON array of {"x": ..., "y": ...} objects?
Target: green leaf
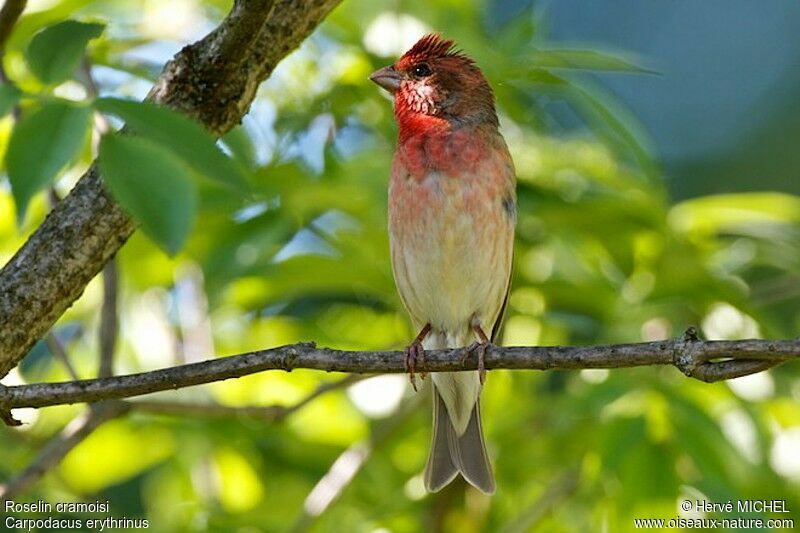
[
  {"x": 241, "y": 146},
  {"x": 9, "y": 96},
  {"x": 609, "y": 117},
  {"x": 184, "y": 137},
  {"x": 153, "y": 185},
  {"x": 615, "y": 122},
  {"x": 33, "y": 21},
  {"x": 567, "y": 58},
  {"x": 56, "y": 51},
  {"x": 40, "y": 145},
  {"x": 731, "y": 213}
]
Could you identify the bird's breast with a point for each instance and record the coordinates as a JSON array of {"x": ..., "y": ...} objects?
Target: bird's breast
[{"x": 451, "y": 234}]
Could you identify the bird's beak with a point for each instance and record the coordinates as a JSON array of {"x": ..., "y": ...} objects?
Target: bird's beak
[{"x": 388, "y": 78}]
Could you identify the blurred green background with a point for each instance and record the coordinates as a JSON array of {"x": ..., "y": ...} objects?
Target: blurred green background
[{"x": 622, "y": 237}]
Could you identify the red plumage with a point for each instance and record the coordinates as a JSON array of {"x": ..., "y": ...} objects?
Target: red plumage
[{"x": 430, "y": 46}]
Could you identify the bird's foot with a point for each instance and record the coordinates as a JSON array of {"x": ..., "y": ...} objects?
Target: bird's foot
[
  {"x": 480, "y": 349},
  {"x": 468, "y": 351},
  {"x": 415, "y": 356}
]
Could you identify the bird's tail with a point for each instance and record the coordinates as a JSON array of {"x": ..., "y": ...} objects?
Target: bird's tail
[{"x": 452, "y": 452}]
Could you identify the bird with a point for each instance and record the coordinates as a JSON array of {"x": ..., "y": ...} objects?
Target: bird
[{"x": 452, "y": 211}]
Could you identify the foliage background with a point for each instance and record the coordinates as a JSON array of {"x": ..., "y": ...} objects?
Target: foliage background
[{"x": 603, "y": 255}]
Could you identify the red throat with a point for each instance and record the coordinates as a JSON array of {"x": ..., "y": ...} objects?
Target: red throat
[{"x": 411, "y": 123}]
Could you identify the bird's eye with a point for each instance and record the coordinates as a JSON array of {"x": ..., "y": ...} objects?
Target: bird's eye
[{"x": 421, "y": 70}]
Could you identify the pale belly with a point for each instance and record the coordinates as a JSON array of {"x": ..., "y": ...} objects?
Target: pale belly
[{"x": 451, "y": 244}]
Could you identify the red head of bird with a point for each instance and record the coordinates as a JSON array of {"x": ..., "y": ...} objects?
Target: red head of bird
[{"x": 435, "y": 85}]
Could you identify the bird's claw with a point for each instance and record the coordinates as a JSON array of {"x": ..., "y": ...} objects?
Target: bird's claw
[
  {"x": 480, "y": 348},
  {"x": 415, "y": 355},
  {"x": 468, "y": 350}
]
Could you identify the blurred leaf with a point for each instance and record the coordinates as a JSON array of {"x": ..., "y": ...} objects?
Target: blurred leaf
[
  {"x": 40, "y": 145},
  {"x": 609, "y": 115},
  {"x": 726, "y": 212},
  {"x": 241, "y": 145},
  {"x": 604, "y": 113},
  {"x": 183, "y": 136},
  {"x": 240, "y": 487},
  {"x": 153, "y": 185},
  {"x": 123, "y": 449},
  {"x": 106, "y": 49},
  {"x": 55, "y": 52},
  {"x": 145, "y": 71},
  {"x": 585, "y": 59},
  {"x": 32, "y": 21},
  {"x": 702, "y": 440},
  {"x": 9, "y": 96}
]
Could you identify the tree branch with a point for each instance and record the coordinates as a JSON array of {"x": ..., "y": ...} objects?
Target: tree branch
[
  {"x": 61, "y": 354},
  {"x": 268, "y": 413},
  {"x": 9, "y": 15},
  {"x": 80, "y": 428},
  {"x": 214, "y": 81},
  {"x": 558, "y": 490},
  {"x": 703, "y": 360}
]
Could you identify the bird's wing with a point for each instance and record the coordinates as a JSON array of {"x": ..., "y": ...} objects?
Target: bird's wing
[
  {"x": 498, "y": 323},
  {"x": 511, "y": 196}
]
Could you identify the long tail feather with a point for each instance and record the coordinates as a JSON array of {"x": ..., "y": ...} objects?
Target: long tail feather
[
  {"x": 440, "y": 469},
  {"x": 452, "y": 453},
  {"x": 470, "y": 454}
]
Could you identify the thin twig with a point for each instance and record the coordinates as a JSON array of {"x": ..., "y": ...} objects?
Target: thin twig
[
  {"x": 108, "y": 320},
  {"x": 75, "y": 432},
  {"x": 58, "y": 351},
  {"x": 55, "y": 450},
  {"x": 81, "y": 427},
  {"x": 101, "y": 124},
  {"x": 108, "y": 311},
  {"x": 191, "y": 303},
  {"x": 269, "y": 413},
  {"x": 703, "y": 360},
  {"x": 344, "y": 469},
  {"x": 558, "y": 490}
]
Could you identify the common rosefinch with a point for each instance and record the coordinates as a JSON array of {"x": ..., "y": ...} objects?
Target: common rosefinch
[{"x": 452, "y": 208}]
